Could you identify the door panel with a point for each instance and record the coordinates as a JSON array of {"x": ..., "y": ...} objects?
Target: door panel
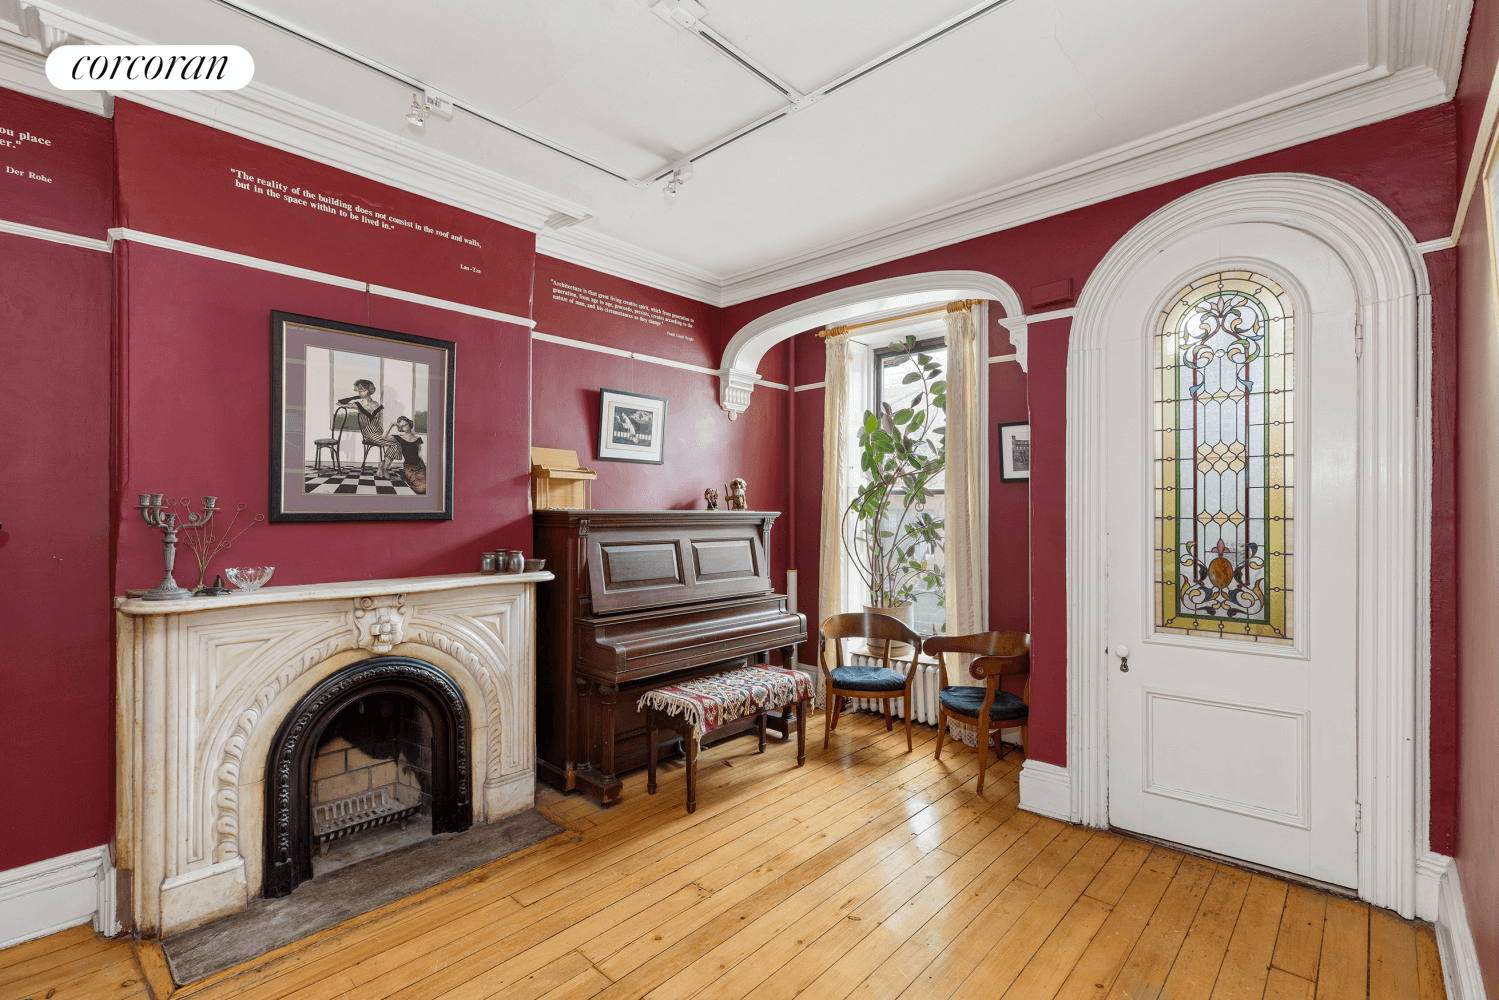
[{"x": 1232, "y": 550}]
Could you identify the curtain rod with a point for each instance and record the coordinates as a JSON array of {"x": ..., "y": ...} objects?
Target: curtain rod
[{"x": 951, "y": 307}]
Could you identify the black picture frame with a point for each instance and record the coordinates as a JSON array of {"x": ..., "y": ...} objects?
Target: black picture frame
[
  {"x": 632, "y": 427},
  {"x": 313, "y": 480},
  {"x": 1014, "y": 465}
]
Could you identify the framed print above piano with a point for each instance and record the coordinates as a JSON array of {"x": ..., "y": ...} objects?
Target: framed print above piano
[
  {"x": 632, "y": 427},
  {"x": 361, "y": 423}
]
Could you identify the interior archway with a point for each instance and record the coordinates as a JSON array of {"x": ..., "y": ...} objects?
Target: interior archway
[{"x": 869, "y": 301}]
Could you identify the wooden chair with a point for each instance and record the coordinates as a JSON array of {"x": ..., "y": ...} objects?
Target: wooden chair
[
  {"x": 882, "y": 682},
  {"x": 999, "y": 654}
]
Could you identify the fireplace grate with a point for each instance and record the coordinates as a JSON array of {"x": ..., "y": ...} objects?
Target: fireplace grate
[{"x": 364, "y": 811}]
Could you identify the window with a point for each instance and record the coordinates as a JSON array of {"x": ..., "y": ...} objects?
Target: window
[
  {"x": 891, "y": 368},
  {"x": 1224, "y": 357}
]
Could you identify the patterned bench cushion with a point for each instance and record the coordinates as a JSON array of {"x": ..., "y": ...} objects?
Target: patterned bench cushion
[{"x": 710, "y": 702}]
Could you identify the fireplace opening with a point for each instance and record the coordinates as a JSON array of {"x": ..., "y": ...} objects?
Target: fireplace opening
[
  {"x": 371, "y": 781},
  {"x": 373, "y": 759}
]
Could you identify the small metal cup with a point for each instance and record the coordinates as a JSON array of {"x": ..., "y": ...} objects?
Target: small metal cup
[{"x": 489, "y": 562}]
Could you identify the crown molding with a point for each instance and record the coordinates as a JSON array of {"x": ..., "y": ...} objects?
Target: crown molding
[
  {"x": 274, "y": 118},
  {"x": 591, "y": 249},
  {"x": 1415, "y": 57},
  {"x": 1203, "y": 146}
]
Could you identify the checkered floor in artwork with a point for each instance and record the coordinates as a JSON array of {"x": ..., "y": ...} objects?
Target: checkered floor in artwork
[{"x": 354, "y": 482}]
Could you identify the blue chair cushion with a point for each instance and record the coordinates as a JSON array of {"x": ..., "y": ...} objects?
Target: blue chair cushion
[
  {"x": 969, "y": 701},
  {"x": 868, "y": 679}
]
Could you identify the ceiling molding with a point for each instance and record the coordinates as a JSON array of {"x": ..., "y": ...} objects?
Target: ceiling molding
[
  {"x": 1425, "y": 37},
  {"x": 591, "y": 249},
  {"x": 1122, "y": 171},
  {"x": 277, "y": 119}
]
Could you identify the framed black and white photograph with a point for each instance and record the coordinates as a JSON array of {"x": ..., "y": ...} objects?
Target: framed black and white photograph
[
  {"x": 632, "y": 427},
  {"x": 1014, "y": 453},
  {"x": 361, "y": 423}
]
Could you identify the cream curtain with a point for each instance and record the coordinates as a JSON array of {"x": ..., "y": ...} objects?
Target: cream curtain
[
  {"x": 835, "y": 446},
  {"x": 966, "y": 366}
]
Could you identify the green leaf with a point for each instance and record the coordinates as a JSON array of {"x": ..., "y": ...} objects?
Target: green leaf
[
  {"x": 870, "y": 423},
  {"x": 923, "y": 359},
  {"x": 910, "y": 342},
  {"x": 916, "y": 422},
  {"x": 913, "y": 377},
  {"x": 939, "y": 387}
]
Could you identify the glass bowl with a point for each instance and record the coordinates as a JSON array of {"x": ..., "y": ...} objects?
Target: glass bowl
[{"x": 249, "y": 577}]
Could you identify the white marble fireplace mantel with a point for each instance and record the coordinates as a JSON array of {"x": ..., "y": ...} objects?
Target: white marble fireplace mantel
[{"x": 204, "y": 683}]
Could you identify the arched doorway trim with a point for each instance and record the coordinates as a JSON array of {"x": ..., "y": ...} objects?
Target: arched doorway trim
[
  {"x": 872, "y": 300},
  {"x": 1394, "y": 318}
]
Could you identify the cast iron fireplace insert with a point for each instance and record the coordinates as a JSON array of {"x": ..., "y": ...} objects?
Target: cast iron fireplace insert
[{"x": 288, "y": 785}]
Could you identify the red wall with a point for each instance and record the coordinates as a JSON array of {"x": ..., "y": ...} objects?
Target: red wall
[
  {"x": 56, "y": 672},
  {"x": 1408, "y": 163},
  {"x": 703, "y": 447},
  {"x": 148, "y": 370},
  {"x": 195, "y": 349}
]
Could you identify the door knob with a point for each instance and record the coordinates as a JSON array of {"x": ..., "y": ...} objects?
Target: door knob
[{"x": 1122, "y": 651}]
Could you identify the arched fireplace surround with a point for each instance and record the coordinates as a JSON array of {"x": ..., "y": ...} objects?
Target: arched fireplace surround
[{"x": 288, "y": 769}]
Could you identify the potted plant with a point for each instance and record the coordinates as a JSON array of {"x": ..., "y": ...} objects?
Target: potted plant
[{"x": 891, "y": 538}]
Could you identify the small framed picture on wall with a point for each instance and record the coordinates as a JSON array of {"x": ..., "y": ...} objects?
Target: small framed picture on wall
[
  {"x": 361, "y": 423},
  {"x": 1014, "y": 453},
  {"x": 632, "y": 427}
]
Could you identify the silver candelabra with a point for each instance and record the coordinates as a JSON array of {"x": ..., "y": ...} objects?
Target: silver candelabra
[{"x": 159, "y": 514}]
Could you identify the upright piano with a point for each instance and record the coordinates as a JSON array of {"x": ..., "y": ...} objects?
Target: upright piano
[{"x": 642, "y": 598}]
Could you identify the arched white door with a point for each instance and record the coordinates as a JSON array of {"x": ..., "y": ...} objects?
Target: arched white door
[{"x": 1231, "y": 475}]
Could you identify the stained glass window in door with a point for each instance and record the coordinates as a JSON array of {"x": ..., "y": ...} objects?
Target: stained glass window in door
[{"x": 1224, "y": 367}]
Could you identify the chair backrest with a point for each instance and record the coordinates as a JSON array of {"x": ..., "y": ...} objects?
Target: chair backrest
[
  {"x": 1011, "y": 646},
  {"x": 881, "y": 628},
  {"x": 345, "y": 419}
]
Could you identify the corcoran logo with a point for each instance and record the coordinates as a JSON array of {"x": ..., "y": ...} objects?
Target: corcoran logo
[{"x": 149, "y": 67}]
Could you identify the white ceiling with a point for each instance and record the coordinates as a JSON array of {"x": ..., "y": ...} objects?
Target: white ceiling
[{"x": 1032, "y": 108}]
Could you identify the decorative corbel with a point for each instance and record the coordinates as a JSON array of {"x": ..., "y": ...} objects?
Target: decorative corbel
[
  {"x": 1018, "y": 327},
  {"x": 734, "y": 389}
]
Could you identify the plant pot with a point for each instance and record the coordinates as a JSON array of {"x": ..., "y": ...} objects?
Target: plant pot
[{"x": 904, "y": 613}]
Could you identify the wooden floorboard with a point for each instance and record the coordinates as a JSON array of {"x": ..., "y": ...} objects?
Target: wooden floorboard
[{"x": 869, "y": 873}]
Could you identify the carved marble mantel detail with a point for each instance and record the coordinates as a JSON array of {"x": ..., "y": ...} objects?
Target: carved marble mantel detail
[{"x": 204, "y": 685}]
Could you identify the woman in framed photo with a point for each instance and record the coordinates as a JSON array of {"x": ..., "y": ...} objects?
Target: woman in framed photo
[
  {"x": 370, "y": 409},
  {"x": 402, "y": 434}
]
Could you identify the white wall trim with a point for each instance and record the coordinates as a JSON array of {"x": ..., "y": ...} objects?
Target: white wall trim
[
  {"x": 52, "y": 895},
  {"x": 584, "y": 345},
  {"x": 873, "y": 299},
  {"x": 1438, "y": 244},
  {"x": 1391, "y": 283},
  {"x": 1046, "y": 789},
  {"x": 52, "y": 236},
  {"x": 811, "y": 385},
  {"x": 1461, "y": 972},
  {"x": 275, "y": 267}
]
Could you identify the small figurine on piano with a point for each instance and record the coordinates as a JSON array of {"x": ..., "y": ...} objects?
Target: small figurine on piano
[{"x": 711, "y": 496}]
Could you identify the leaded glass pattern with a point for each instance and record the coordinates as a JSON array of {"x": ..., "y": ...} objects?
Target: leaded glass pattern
[{"x": 1224, "y": 370}]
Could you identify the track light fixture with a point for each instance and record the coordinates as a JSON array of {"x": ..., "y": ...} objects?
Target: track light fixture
[
  {"x": 417, "y": 116},
  {"x": 681, "y": 175}
]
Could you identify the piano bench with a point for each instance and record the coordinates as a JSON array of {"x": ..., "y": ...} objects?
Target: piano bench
[{"x": 695, "y": 708}]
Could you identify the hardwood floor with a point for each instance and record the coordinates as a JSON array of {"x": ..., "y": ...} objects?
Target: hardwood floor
[{"x": 870, "y": 872}]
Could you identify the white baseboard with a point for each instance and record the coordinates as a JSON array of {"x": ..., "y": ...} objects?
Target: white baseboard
[
  {"x": 1460, "y": 969},
  {"x": 58, "y": 893},
  {"x": 1046, "y": 789}
]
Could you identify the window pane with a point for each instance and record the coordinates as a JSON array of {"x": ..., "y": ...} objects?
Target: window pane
[{"x": 1224, "y": 358}]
